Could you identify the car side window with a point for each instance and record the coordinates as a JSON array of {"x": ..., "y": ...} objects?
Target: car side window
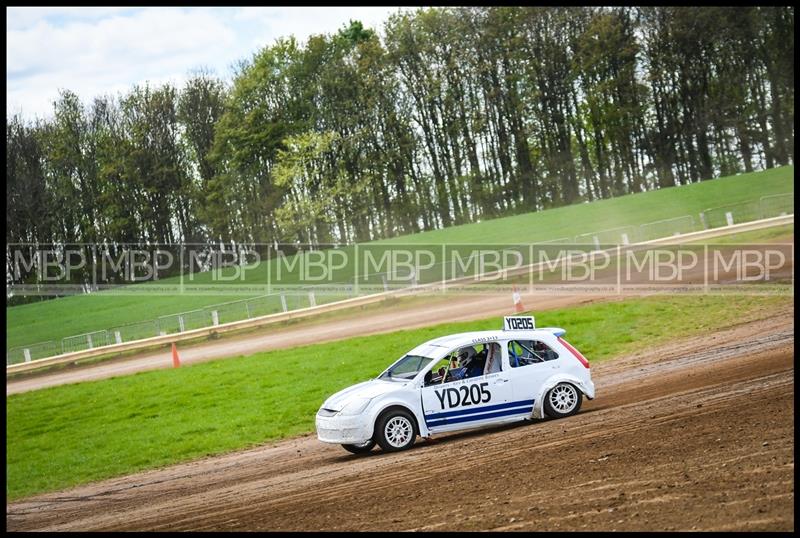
[
  {"x": 481, "y": 359},
  {"x": 466, "y": 362},
  {"x": 438, "y": 373},
  {"x": 526, "y": 352}
]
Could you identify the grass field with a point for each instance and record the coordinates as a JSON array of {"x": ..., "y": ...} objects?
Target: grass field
[
  {"x": 633, "y": 209},
  {"x": 55, "y": 319},
  {"x": 71, "y": 434}
]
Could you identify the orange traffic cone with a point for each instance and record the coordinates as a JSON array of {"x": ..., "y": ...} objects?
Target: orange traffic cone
[
  {"x": 518, "y": 307},
  {"x": 176, "y": 361}
]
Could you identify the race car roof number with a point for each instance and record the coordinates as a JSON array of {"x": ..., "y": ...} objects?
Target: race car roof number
[{"x": 518, "y": 323}]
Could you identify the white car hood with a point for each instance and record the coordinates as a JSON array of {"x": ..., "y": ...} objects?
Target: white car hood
[{"x": 367, "y": 389}]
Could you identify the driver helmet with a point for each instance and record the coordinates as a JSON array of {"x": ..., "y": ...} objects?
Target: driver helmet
[{"x": 466, "y": 355}]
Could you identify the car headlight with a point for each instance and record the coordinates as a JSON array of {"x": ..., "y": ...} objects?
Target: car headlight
[{"x": 356, "y": 407}]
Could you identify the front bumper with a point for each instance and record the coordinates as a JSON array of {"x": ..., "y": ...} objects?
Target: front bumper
[{"x": 340, "y": 430}]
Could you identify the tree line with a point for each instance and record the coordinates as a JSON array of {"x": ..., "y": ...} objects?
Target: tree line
[{"x": 445, "y": 116}]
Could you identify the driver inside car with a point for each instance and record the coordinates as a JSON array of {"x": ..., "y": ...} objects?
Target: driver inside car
[
  {"x": 466, "y": 362},
  {"x": 456, "y": 371},
  {"x": 471, "y": 364},
  {"x": 437, "y": 376},
  {"x": 472, "y": 361}
]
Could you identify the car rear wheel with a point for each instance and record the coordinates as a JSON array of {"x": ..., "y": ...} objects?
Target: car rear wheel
[
  {"x": 362, "y": 448},
  {"x": 562, "y": 400},
  {"x": 395, "y": 430}
]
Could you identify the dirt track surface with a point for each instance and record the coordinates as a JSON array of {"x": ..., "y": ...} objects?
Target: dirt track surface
[{"x": 698, "y": 434}]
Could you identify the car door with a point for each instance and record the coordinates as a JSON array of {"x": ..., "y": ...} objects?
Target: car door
[{"x": 470, "y": 402}]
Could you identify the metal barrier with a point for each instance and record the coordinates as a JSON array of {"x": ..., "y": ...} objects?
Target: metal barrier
[
  {"x": 32, "y": 352},
  {"x": 729, "y": 215},
  {"x": 624, "y": 235},
  {"x": 134, "y": 331},
  {"x": 261, "y": 306},
  {"x": 80, "y": 342},
  {"x": 667, "y": 227},
  {"x": 776, "y": 205},
  {"x": 230, "y": 311},
  {"x": 184, "y": 321}
]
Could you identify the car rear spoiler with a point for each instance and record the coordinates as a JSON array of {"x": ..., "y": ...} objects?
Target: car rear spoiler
[{"x": 555, "y": 330}]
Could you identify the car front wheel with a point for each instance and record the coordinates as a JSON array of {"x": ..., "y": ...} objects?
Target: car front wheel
[
  {"x": 395, "y": 430},
  {"x": 362, "y": 448},
  {"x": 562, "y": 400}
]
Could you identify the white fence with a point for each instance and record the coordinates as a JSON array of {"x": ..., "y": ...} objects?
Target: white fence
[
  {"x": 777, "y": 205},
  {"x": 667, "y": 227},
  {"x": 765, "y": 207},
  {"x": 32, "y": 352},
  {"x": 85, "y": 341},
  {"x": 623, "y": 235}
]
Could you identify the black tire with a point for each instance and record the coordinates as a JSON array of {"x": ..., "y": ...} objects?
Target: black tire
[
  {"x": 360, "y": 449},
  {"x": 395, "y": 430},
  {"x": 563, "y": 400}
]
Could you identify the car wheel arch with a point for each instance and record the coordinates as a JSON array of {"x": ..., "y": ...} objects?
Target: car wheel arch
[
  {"x": 399, "y": 407},
  {"x": 538, "y": 406}
]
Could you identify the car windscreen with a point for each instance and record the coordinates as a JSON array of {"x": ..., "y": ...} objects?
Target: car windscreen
[{"x": 406, "y": 368}]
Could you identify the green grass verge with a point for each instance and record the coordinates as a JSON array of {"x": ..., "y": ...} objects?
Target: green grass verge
[
  {"x": 632, "y": 209},
  {"x": 55, "y": 319},
  {"x": 72, "y": 434}
]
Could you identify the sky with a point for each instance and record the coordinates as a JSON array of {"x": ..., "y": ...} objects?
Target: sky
[{"x": 106, "y": 51}]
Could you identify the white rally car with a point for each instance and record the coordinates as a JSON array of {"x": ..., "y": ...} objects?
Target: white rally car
[{"x": 458, "y": 382}]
